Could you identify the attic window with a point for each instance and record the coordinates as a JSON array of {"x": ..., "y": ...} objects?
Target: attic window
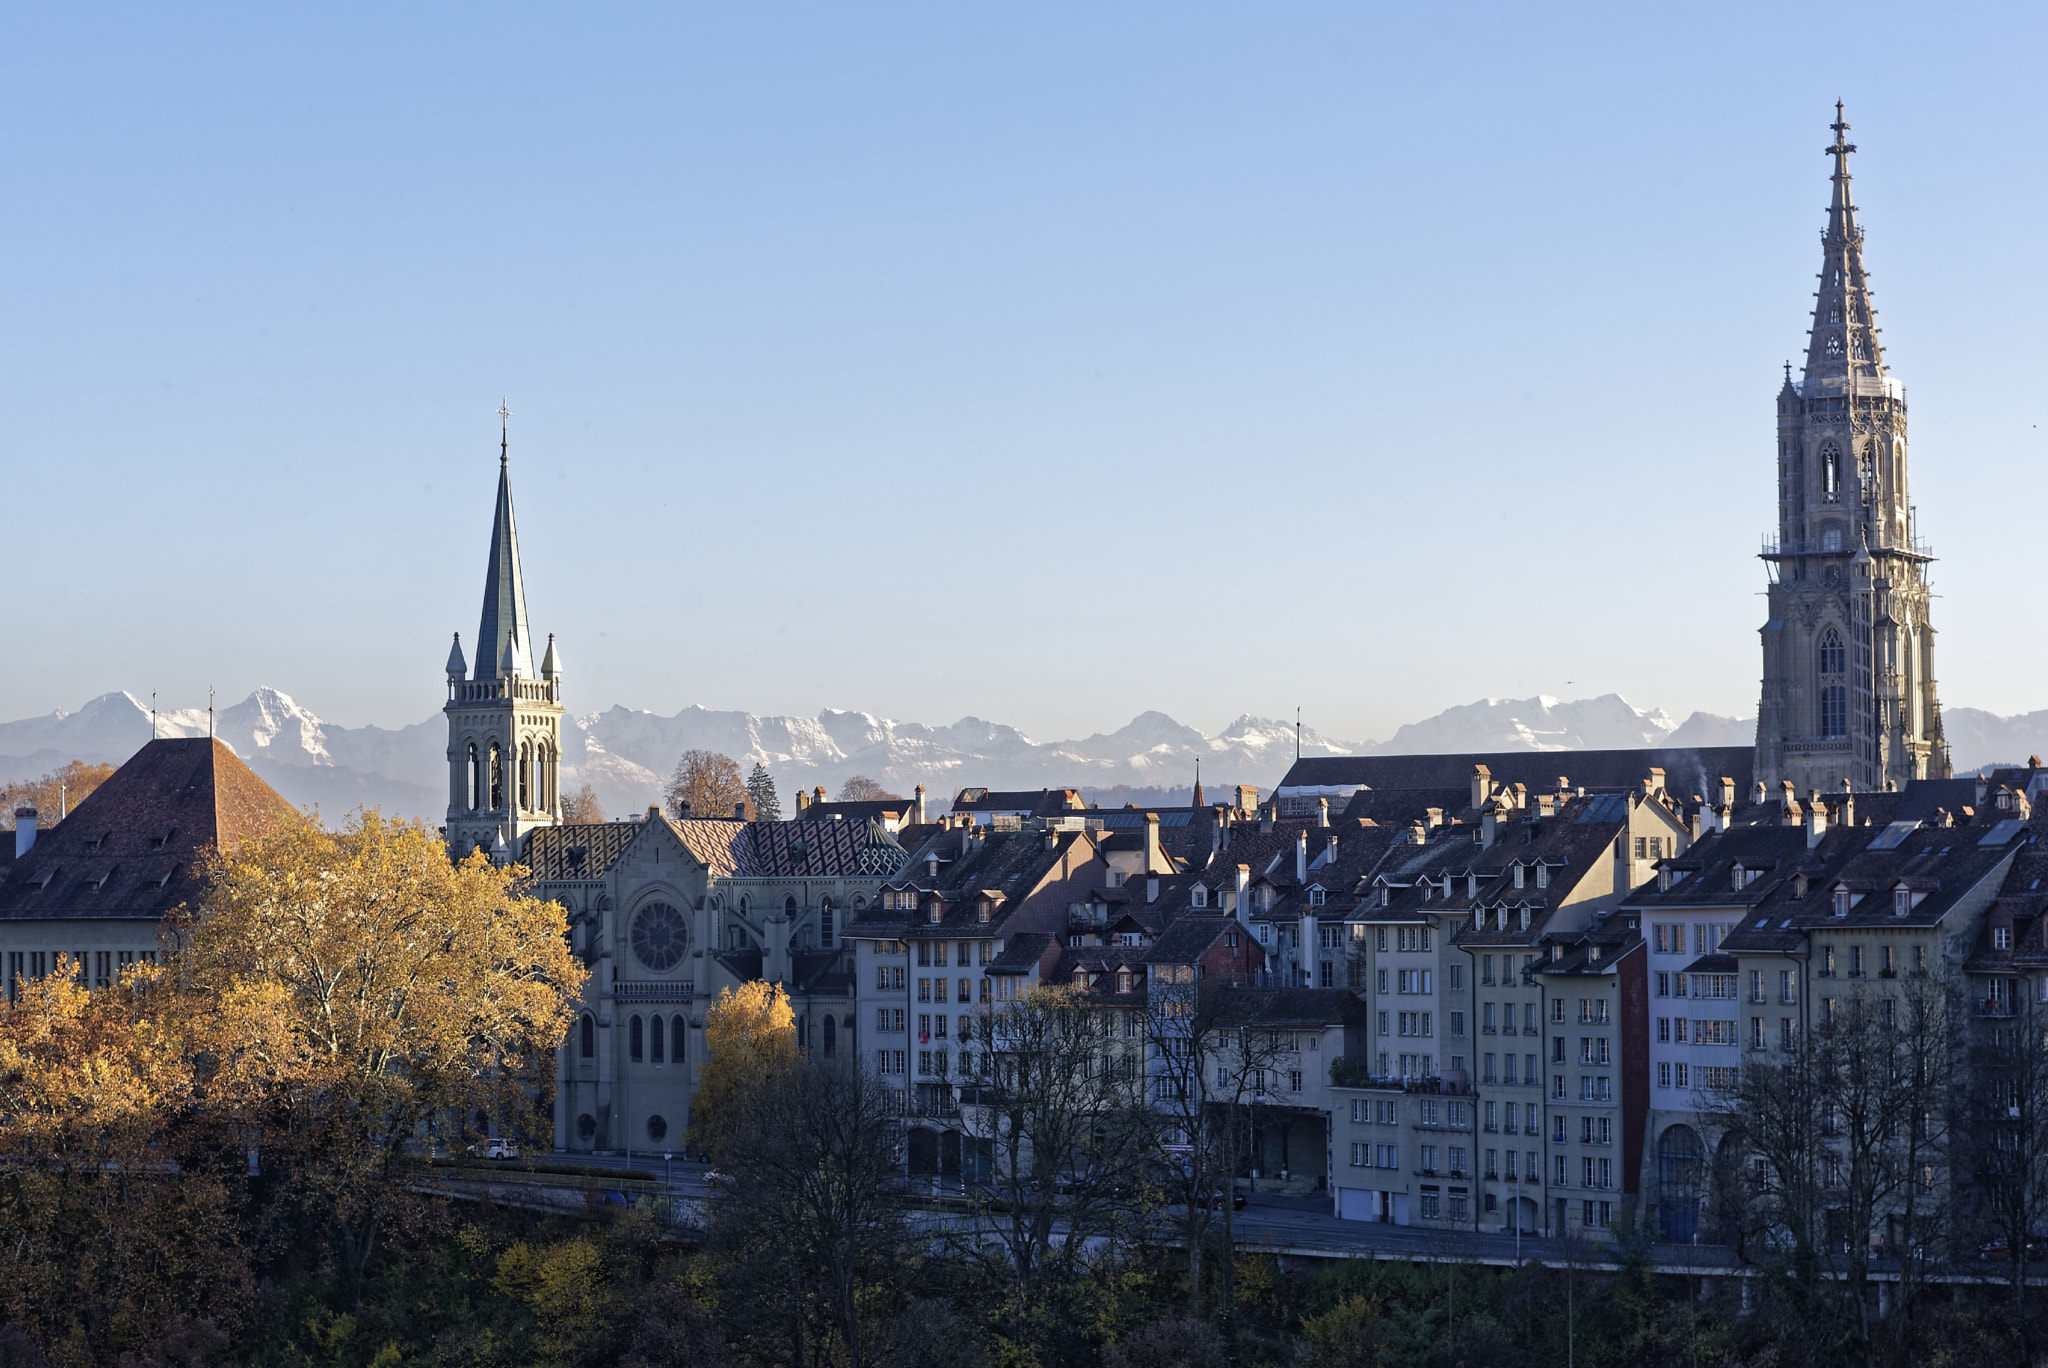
[
  {"x": 1543, "y": 876},
  {"x": 168, "y": 875},
  {"x": 1841, "y": 902},
  {"x": 1518, "y": 876},
  {"x": 932, "y": 915},
  {"x": 983, "y": 909},
  {"x": 1525, "y": 919},
  {"x": 1902, "y": 901},
  {"x": 1429, "y": 888},
  {"x": 1664, "y": 881},
  {"x": 106, "y": 876},
  {"x": 1592, "y": 954},
  {"x": 2001, "y": 938},
  {"x": 1315, "y": 897},
  {"x": 1384, "y": 895},
  {"x": 1125, "y": 980},
  {"x": 1199, "y": 897},
  {"x": 43, "y": 880}
]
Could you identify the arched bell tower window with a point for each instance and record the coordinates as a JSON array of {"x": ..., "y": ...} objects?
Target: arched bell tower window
[
  {"x": 1830, "y": 471},
  {"x": 497, "y": 778},
  {"x": 825, "y": 941},
  {"x": 473, "y": 778},
  {"x": 525, "y": 778},
  {"x": 1833, "y": 661},
  {"x": 1834, "y": 711}
]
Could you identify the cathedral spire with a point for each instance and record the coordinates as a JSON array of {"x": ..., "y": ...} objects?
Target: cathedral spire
[
  {"x": 1843, "y": 354},
  {"x": 504, "y": 617}
]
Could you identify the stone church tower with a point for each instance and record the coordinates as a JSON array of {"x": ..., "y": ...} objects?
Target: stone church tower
[
  {"x": 504, "y": 722},
  {"x": 1848, "y": 680}
]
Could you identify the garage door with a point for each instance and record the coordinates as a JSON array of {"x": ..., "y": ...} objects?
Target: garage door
[{"x": 1356, "y": 1205}]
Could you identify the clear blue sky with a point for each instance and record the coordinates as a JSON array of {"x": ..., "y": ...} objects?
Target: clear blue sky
[{"x": 1042, "y": 362}]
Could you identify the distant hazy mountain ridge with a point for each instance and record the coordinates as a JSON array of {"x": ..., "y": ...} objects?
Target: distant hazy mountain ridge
[{"x": 625, "y": 754}]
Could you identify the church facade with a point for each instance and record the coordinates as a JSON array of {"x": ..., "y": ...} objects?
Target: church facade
[
  {"x": 1848, "y": 651},
  {"x": 665, "y": 912}
]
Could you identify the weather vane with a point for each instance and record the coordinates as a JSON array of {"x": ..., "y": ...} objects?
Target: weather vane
[{"x": 504, "y": 429}]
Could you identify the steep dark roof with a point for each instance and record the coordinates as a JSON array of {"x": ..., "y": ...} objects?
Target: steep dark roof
[
  {"x": 1029, "y": 802},
  {"x": 1687, "y": 771},
  {"x": 134, "y": 846},
  {"x": 765, "y": 850},
  {"x": 1275, "y": 1008},
  {"x": 552, "y": 852}
]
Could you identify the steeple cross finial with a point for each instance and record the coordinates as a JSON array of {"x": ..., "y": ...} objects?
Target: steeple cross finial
[{"x": 504, "y": 431}]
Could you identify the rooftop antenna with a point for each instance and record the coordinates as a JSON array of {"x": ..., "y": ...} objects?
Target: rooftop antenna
[
  {"x": 1297, "y": 732},
  {"x": 152, "y": 714},
  {"x": 209, "y": 712}
]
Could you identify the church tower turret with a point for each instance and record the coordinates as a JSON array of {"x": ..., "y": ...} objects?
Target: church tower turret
[
  {"x": 504, "y": 723},
  {"x": 1848, "y": 679}
]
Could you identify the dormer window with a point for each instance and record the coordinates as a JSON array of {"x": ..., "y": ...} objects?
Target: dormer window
[
  {"x": 1543, "y": 876},
  {"x": 983, "y": 910},
  {"x": 1525, "y": 919},
  {"x": 932, "y": 912},
  {"x": 1902, "y": 901},
  {"x": 1427, "y": 889},
  {"x": 1198, "y": 897},
  {"x": 1664, "y": 881},
  {"x": 1738, "y": 876},
  {"x": 1386, "y": 895},
  {"x": 2001, "y": 938},
  {"x": 1518, "y": 876},
  {"x": 1315, "y": 897},
  {"x": 1841, "y": 902},
  {"x": 1125, "y": 980}
]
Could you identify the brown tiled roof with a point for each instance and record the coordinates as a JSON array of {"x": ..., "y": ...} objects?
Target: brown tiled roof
[
  {"x": 133, "y": 847},
  {"x": 1537, "y": 769}
]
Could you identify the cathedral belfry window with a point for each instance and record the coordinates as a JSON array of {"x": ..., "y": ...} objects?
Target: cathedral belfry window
[
  {"x": 497, "y": 778},
  {"x": 1831, "y": 470},
  {"x": 475, "y": 777},
  {"x": 1832, "y": 655},
  {"x": 1834, "y": 711},
  {"x": 654, "y": 1039},
  {"x": 526, "y": 778}
]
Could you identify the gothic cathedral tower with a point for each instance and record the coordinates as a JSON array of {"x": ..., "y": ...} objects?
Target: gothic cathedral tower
[
  {"x": 1848, "y": 683},
  {"x": 504, "y": 723}
]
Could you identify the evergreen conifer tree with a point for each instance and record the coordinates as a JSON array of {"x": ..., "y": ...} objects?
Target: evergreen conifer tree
[{"x": 761, "y": 788}]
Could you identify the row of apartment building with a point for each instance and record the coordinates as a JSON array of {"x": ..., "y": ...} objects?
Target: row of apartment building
[{"x": 1508, "y": 1005}]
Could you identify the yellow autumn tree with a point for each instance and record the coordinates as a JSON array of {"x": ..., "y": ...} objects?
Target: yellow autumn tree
[
  {"x": 119, "y": 1111},
  {"x": 421, "y": 996},
  {"x": 750, "y": 1037}
]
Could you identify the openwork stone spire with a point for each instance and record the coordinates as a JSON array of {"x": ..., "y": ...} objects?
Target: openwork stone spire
[{"x": 1843, "y": 352}]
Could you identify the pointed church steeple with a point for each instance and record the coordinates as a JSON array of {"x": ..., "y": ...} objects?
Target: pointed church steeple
[
  {"x": 1843, "y": 352},
  {"x": 503, "y": 626}
]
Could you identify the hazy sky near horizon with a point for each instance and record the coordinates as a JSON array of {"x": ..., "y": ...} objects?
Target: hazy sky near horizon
[{"x": 1044, "y": 362}]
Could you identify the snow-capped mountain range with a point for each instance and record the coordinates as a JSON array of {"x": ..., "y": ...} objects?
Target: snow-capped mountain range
[{"x": 624, "y": 754}]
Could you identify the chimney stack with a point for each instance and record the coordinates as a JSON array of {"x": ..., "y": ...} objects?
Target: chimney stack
[
  {"x": 1760, "y": 793},
  {"x": 1788, "y": 804},
  {"x": 24, "y": 830},
  {"x": 1301, "y": 856},
  {"x": 818, "y": 795},
  {"x": 1322, "y": 812},
  {"x": 1489, "y": 824},
  {"x": 1816, "y": 819},
  {"x": 1152, "y": 888},
  {"x": 739, "y": 812},
  {"x": 1155, "y": 859},
  {"x": 1482, "y": 785},
  {"x": 1653, "y": 783},
  {"x": 1244, "y": 881},
  {"x": 917, "y": 806},
  {"x": 1845, "y": 811},
  {"x": 1266, "y": 816},
  {"x": 1727, "y": 793}
]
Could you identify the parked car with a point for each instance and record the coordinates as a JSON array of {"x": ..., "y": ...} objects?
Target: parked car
[
  {"x": 496, "y": 1148},
  {"x": 2000, "y": 1248}
]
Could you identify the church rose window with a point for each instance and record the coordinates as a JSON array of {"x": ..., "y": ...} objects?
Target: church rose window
[{"x": 660, "y": 937}]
